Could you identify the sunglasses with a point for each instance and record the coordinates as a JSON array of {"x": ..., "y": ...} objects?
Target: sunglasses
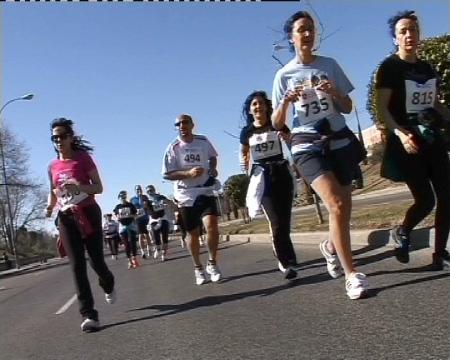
[
  {"x": 63, "y": 136},
  {"x": 182, "y": 122}
]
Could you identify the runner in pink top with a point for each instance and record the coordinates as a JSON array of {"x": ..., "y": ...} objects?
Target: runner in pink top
[{"x": 74, "y": 180}]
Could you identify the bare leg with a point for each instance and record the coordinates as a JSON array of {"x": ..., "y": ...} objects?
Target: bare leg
[
  {"x": 212, "y": 235},
  {"x": 194, "y": 246},
  {"x": 338, "y": 201}
]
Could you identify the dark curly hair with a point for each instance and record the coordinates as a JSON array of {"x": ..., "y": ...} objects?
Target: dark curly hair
[
  {"x": 78, "y": 142},
  {"x": 246, "y": 107},
  {"x": 406, "y": 14},
  {"x": 287, "y": 28}
]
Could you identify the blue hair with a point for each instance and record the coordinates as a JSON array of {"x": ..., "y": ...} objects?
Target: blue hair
[
  {"x": 246, "y": 107},
  {"x": 287, "y": 28},
  {"x": 406, "y": 14}
]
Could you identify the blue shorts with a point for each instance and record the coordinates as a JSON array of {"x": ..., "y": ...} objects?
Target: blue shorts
[{"x": 342, "y": 162}]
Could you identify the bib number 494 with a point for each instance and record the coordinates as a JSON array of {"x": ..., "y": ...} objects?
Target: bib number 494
[{"x": 190, "y": 158}]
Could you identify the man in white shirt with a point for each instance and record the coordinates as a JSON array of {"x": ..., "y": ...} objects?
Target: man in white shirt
[{"x": 190, "y": 161}]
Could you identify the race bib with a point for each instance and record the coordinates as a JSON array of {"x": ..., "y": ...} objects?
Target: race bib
[
  {"x": 313, "y": 106},
  {"x": 265, "y": 145},
  {"x": 66, "y": 198},
  {"x": 419, "y": 96},
  {"x": 192, "y": 157},
  {"x": 124, "y": 212}
]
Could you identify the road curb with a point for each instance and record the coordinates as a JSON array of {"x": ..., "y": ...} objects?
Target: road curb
[{"x": 420, "y": 238}]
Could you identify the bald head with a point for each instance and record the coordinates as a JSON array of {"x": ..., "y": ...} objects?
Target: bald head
[{"x": 185, "y": 124}]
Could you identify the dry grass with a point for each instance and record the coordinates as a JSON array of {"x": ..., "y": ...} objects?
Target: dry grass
[{"x": 375, "y": 216}]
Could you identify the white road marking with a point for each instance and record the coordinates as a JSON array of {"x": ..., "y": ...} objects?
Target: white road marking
[
  {"x": 2, "y": 288},
  {"x": 66, "y": 305}
]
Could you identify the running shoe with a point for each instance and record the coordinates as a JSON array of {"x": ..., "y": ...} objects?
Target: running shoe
[
  {"x": 111, "y": 297},
  {"x": 289, "y": 272},
  {"x": 199, "y": 276},
  {"x": 163, "y": 255},
  {"x": 130, "y": 265},
  {"x": 90, "y": 325},
  {"x": 183, "y": 243},
  {"x": 135, "y": 263},
  {"x": 401, "y": 243},
  {"x": 356, "y": 286},
  {"x": 213, "y": 270},
  {"x": 441, "y": 262},
  {"x": 155, "y": 254},
  {"x": 333, "y": 264}
]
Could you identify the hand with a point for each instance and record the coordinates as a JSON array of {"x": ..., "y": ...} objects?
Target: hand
[
  {"x": 48, "y": 211},
  {"x": 285, "y": 136},
  {"x": 408, "y": 141},
  {"x": 328, "y": 87},
  {"x": 213, "y": 172},
  {"x": 196, "y": 172},
  {"x": 292, "y": 95}
]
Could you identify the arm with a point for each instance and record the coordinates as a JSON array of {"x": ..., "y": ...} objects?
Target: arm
[
  {"x": 184, "y": 174},
  {"x": 279, "y": 114},
  {"x": 213, "y": 166},
  {"x": 406, "y": 137},
  {"x": 244, "y": 157},
  {"x": 51, "y": 198}
]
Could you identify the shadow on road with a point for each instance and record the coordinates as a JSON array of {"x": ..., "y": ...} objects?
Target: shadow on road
[
  {"x": 207, "y": 301},
  {"x": 420, "y": 239}
]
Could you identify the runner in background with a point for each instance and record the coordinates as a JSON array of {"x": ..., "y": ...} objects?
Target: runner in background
[
  {"x": 125, "y": 213},
  {"x": 140, "y": 202},
  {"x": 111, "y": 234},
  {"x": 159, "y": 224}
]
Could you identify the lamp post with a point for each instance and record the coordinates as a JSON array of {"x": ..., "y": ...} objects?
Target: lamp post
[{"x": 5, "y": 182}]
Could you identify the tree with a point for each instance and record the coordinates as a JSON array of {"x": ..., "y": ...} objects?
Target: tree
[
  {"x": 235, "y": 188},
  {"x": 434, "y": 50},
  {"x": 27, "y": 196}
]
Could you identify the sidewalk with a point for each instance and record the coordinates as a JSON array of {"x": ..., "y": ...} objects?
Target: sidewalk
[{"x": 34, "y": 267}]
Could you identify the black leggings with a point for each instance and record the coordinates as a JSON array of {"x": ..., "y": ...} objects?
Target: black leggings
[
  {"x": 277, "y": 205},
  {"x": 129, "y": 239},
  {"x": 434, "y": 176},
  {"x": 160, "y": 231},
  {"x": 75, "y": 247}
]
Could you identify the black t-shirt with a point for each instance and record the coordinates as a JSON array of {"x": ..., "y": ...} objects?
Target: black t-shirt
[
  {"x": 413, "y": 86},
  {"x": 156, "y": 204},
  {"x": 263, "y": 142},
  {"x": 125, "y": 213}
]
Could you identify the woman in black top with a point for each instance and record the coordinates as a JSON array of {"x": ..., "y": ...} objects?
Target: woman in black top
[
  {"x": 415, "y": 152},
  {"x": 260, "y": 141}
]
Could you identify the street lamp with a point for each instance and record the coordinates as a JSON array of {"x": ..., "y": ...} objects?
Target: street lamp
[{"x": 5, "y": 182}]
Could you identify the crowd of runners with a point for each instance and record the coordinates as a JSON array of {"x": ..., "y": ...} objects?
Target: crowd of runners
[{"x": 325, "y": 152}]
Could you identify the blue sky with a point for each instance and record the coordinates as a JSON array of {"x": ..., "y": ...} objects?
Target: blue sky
[{"x": 124, "y": 71}]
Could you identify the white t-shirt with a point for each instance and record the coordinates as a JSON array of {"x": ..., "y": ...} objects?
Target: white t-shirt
[{"x": 182, "y": 155}]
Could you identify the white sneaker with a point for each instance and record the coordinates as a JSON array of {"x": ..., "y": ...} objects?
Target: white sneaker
[
  {"x": 163, "y": 257},
  {"x": 289, "y": 273},
  {"x": 214, "y": 271},
  {"x": 111, "y": 297},
  {"x": 130, "y": 265},
  {"x": 199, "y": 276},
  {"x": 333, "y": 264},
  {"x": 155, "y": 254},
  {"x": 90, "y": 325},
  {"x": 356, "y": 286},
  {"x": 183, "y": 243}
]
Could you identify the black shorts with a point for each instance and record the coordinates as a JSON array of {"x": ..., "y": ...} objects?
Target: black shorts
[
  {"x": 192, "y": 216},
  {"x": 142, "y": 223},
  {"x": 342, "y": 162}
]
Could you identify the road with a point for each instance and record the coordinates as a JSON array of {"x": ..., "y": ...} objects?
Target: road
[{"x": 252, "y": 314}]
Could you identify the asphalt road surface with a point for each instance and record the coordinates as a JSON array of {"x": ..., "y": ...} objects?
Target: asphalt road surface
[{"x": 252, "y": 314}]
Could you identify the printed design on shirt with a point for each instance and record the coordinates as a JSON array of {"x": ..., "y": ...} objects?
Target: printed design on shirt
[
  {"x": 314, "y": 104},
  {"x": 264, "y": 145},
  {"x": 419, "y": 95},
  {"x": 66, "y": 198},
  {"x": 124, "y": 213}
]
